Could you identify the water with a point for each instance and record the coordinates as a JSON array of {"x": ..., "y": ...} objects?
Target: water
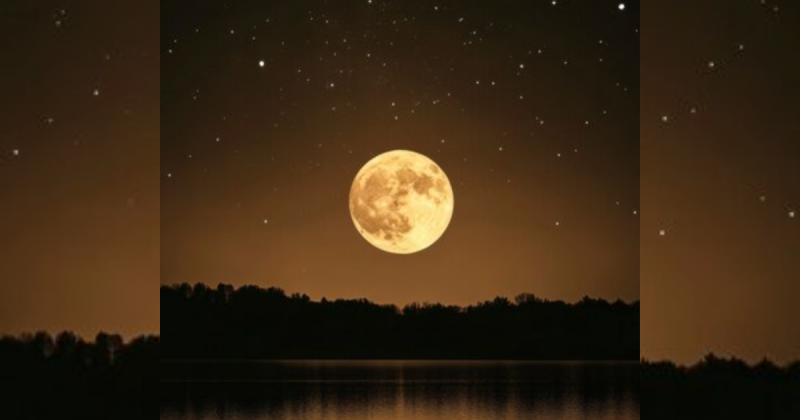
[{"x": 399, "y": 390}]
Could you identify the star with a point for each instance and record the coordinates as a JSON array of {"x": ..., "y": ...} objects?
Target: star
[
  {"x": 791, "y": 214},
  {"x": 261, "y": 63},
  {"x": 662, "y": 232},
  {"x": 15, "y": 152},
  {"x": 621, "y": 6}
]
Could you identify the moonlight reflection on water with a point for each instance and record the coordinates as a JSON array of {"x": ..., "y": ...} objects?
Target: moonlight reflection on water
[{"x": 389, "y": 390}]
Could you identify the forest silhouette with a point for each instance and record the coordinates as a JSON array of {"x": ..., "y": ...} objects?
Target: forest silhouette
[
  {"x": 67, "y": 377},
  {"x": 249, "y": 322},
  {"x": 720, "y": 388}
]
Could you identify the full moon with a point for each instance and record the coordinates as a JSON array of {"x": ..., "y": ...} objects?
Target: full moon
[{"x": 401, "y": 202}]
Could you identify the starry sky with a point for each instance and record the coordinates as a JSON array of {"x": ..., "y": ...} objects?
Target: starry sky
[
  {"x": 720, "y": 179},
  {"x": 269, "y": 109},
  {"x": 79, "y": 164}
]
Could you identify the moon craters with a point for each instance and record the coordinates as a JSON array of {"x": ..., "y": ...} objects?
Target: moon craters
[{"x": 401, "y": 202}]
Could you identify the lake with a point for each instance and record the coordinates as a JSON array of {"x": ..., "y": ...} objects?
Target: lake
[{"x": 399, "y": 390}]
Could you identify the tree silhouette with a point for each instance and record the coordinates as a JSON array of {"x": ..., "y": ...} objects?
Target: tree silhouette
[
  {"x": 67, "y": 377},
  {"x": 199, "y": 322},
  {"x": 720, "y": 388}
]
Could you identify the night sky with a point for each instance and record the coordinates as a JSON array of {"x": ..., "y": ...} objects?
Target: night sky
[
  {"x": 79, "y": 159},
  {"x": 269, "y": 109},
  {"x": 532, "y": 108},
  {"x": 720, "y": 112}
]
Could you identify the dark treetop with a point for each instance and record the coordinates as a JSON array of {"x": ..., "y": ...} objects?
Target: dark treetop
[
  {"x": 69, "y": 378},
  {"x": 720, "y": 389},
  {"x": 198, "y": 322}
]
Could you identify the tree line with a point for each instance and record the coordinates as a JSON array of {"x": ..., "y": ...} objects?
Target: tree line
[
  {"x": 249, "y": 322},
  {"x": 42, "y": 376},
  {"x": 720, "y": 388}
]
